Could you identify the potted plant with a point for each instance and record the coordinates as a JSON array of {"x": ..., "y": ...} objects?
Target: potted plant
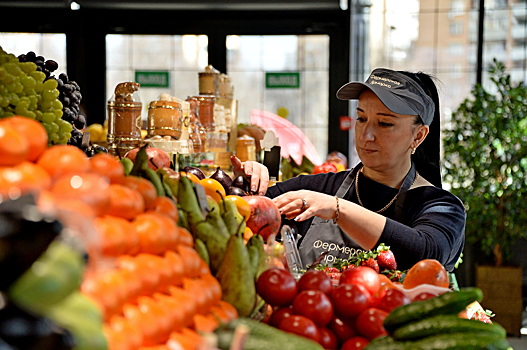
[{"x": 485, "y": 163}]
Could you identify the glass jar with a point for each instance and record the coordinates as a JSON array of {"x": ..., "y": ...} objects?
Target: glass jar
[{"x": 124, "y": 119}]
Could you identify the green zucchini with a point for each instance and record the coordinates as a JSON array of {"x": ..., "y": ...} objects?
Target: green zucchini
[
  {"x": 447, "y": 303},
  {"x": 445, "y": 324},
  {"x": 457, "y": 341}
]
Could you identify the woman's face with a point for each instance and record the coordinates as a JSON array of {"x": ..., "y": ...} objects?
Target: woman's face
[{"x": 383, "y": 138}]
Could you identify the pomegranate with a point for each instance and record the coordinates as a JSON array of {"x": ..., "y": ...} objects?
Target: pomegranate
[
  {"x": 157, "y": 158},
  {"x": 265, "y": 217}
]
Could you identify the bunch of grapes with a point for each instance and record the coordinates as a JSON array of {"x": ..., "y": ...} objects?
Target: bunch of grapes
[
  {"x": 69, "y": 95},
  {"x": 26, "y": 90}
]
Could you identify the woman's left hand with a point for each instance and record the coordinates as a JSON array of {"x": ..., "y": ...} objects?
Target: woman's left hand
[{"x": 303, "y": 204}]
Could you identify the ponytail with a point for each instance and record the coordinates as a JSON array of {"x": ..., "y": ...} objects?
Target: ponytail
[{"x": 428, "y": 154}]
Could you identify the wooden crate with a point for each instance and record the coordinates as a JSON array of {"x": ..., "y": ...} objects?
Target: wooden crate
[{"x": 502, "y": 294}]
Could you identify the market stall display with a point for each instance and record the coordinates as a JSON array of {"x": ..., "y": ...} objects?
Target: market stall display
[{"x": 133, "y": 250}]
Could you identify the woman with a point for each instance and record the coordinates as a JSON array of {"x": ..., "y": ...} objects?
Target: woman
[{"x": 388, "y": 197}]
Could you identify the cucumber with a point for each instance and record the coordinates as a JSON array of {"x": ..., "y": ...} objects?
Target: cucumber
[
  {"x": 445, "y": 324},
  {"x": 263, "y": 337},
  {"x": 447, "y": 303},
  {"x": 458, "y": 341},
  {"x": 385, "y": 343}
]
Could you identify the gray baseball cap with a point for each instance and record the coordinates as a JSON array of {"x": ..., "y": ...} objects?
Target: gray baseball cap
[{"x": 399, "y": 93}]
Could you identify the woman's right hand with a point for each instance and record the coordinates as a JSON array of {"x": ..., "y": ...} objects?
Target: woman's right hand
[{"x": 256, "y": 173}]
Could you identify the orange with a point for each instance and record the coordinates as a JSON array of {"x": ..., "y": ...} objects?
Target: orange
[
  {"x": 176, "y": 263},
  {"x": 14, "y": 147},
  {"x": 427, "y": 271},
  {"x": 33, "y": 131},
  {"x": 59, "y": 160},
  {"x": 92, "y": 189},
  {"x": 125, "y": 202},
  {"x": 109, "y": 166},
  {"x": 191, "y": 176},
  {"x": 248, "y": 233},
  {"x": 144, "y": 186},
  {"x": 23, "y": 178},
  {"x": 213, "y": 188},
  {"x": 167, "y": 206},
  {"x": 243, "y": 206}
]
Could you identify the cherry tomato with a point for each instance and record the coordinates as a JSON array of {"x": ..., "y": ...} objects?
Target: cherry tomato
[
  {"x": 355, "y": 343},
  {"x": 392, "y": 299},
  {"x": 279, "y": 314},
  {"x": 315, "y": 280},
  {"x": 370, "y": 323},
  {"x": 349, "y": 300},
  {"x": 277, "y": 286},
  {"x": 300, "y": 325},
  {"x": 343, "y": 330},
  {"x": 315, "y": 305},
  {"x": 423, "y": 296},
  {"x": 328, "y": 339},
  {"x": 362, "y": 275}
]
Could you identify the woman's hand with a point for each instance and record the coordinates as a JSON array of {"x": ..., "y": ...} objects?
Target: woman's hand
[
  {"x": 302, "y": 205},
  {"x": 256, "y": 173}
]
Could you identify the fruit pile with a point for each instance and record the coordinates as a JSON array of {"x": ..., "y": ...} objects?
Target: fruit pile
[
  {"x": 149, "y": 284},
  {"x": 365, "y": 309},
  {"x": 25, "y": 90}
]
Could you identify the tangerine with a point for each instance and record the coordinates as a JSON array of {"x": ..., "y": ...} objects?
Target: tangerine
[
  {"x": 144, "y": 186},
  {"x": 33, "y": 131},
  {"x": 89, "y": 188},
  {"x": 109, "y": 166},
  {"x": 23, "y": 178},
  {"x": 167, "y": 206},
  {"x": 14, "y": 147},
  {"x": 125, "y": 202},
  {"x": 426, "y": 271},
  {"x": 59, "y": 160}
]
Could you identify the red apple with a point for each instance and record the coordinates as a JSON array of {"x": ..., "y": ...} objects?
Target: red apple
[
  {"x": 265, "y": 217},
  {"x": 157, "y": 158}
]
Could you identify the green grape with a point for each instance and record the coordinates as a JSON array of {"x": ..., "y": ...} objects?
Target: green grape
[
  {"x": 54, "y": 138},
  {"x": 13, "y": 68},
  {"x": 28, "y": 67},
  {"x": 38, "y": 76},
  {"x": 57, "y": 105},
  {"x": 49, "y": 95},
  {"x": 48, "y": 117},
  {"x": 28, "y": 82},
  {"x": 46, "y": 105},
  {"x": 58, "y": 113},
  {"x": 50, "y": 84},
  {"x": 64, "y": 126},
  {"x": 31, "y": 114}
]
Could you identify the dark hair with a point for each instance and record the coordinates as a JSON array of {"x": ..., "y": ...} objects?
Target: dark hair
[{"x": 427, "y": 155}]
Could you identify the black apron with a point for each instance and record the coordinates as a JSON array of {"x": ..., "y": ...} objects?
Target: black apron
[{"x": 323, "y": 236}]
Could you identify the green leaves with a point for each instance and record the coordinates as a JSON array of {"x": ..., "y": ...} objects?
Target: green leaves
[{"x": 485, "y": 161}]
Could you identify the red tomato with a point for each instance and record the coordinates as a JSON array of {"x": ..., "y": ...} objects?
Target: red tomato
[
  {"x": 370, "y": 323},
  {"x": 315, "y": 280},
  {"x": 392, "y": 299},
  {"x": 349, "y": 300},
  {"x": 300, "y": 325},
  {"x": 423, "y": 296},
  {"x": 328, "y": 339},
  {"x": 364, "y": 276},
  {"x": 315, "y": 305},
  {"x": 279, "y": 314},
  {"x": 355, "y": 343},
  {"x": 343, "y": 330},
  {"x": 277, "y": 286},
  {"x": 325, "y": 168}
]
